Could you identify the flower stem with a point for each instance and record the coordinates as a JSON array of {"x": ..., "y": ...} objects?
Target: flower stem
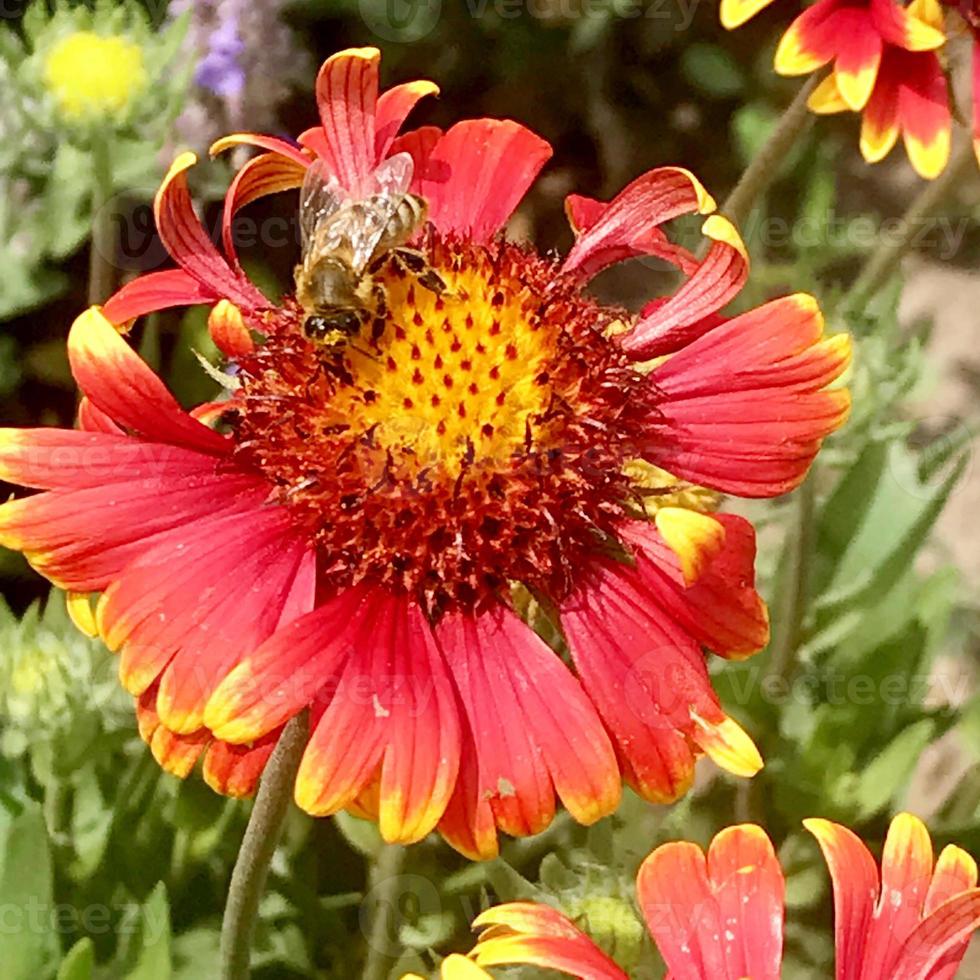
[
  {"x": 765, "y": 164},
  {"x": 258, "y": 845},
  {"x": 891, "y": 248},
  {"x": 386, "y": 886},
  {"x": 101, "y": 265}
]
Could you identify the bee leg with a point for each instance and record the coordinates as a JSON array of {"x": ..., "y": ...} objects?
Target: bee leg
[{"x": 414, "y": 262}]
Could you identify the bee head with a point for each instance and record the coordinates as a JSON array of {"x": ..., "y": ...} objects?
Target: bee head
[{"x": 321, "y": 326}]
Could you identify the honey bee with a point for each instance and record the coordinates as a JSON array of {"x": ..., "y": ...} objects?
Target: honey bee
[{"x": 347, "y": 239}]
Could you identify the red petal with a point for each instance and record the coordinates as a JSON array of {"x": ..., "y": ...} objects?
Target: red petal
[
  {"x": 346, "y": 94},
  {"x": 393, "y": 706},
  {"x": 186, "y": 240},
  {"x": 936, "y": 946},
  {"x": 203, "y": 590},
  {"x": 234, "y": 770},
  {"x": 644, "y": 674},
  {"x": 629, "y": 224},
  {"x": 392, "y": 110},
  {"x": 723, "y": 919},
  {"x": 477, "y": 174},
  {"x": 276, "y": 681},
  {"x": 419, "y": 144},
  {"x": 282, "y": 148},
  {"x": 855, "y": 878},
  {"x": 668, "y": 325},
  {"x": 743, "y": 407},
  {"x": 955, "y": 872},
  {"x": 92, "y": 419},
  {"x": 120, "y": 384},
  {"x": 72, "y": 459},
  {"x": 534, "y": 729},
  {"x": 722, "y": 609},
  {"x": 83, "y": 539},
  {"x": 266, "y": 174},
  {"x": 156, "y": 291}
]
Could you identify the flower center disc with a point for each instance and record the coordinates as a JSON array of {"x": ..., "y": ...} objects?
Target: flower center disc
[{"x": 480, "y": 440}]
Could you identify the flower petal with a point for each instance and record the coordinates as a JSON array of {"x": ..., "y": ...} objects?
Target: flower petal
[
  {"x": 156, "y": 291},
  {"x": 234, "y": 770},
  {"x": 538, "y": 935},
  {"x": 855, "y": 878},
  {"x": 936, "y": 946},
  {"x": 734, "y": 13},
  {"x": 186, "y": 240},
  {"x": 119, "y": 383},
  {"x": 280, "y": 147},
  {"x": 722, "y": 609},
  {"x": 392, "y": 110},
  {"x": 267, "y": 174},
  {"x": 667, "y": 325},
  {"x": 644, "y": 674},
  {"x": 228, "y": 331},
  {"x": 477, "y": 174},
  {"x": 745, "y": 406},
  {"x": 629, "y": 225},
  {"x": 83, "y": 539},
  {"x": 906, "y": 871},
  {"x": 535, "y": 731},
  {"x": 210, "y": 590},
  {"x": 394, "y": 707},
  {"x": 727, "y": 921},
  {"x": 346, "y": 95}
]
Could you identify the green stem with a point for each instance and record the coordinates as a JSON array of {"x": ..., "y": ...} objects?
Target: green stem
[
  {"x": 258, "y": 846},
  {"x": 766, "y": 163},
  {"x": 796, "y": 584},
  {"x": 891, "y": 248},
  {"x": 101, "y": 264},
  {"x": 386, "y": 884}
]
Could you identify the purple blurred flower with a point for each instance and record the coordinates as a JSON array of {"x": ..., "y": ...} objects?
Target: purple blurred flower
[{"x": 221, "y": 70}]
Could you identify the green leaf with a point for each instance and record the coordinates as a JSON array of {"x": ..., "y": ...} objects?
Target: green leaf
[
  {"x": 147, "y": 954},
  {"x": 28, "y": 944},
  {"x": 79, "y": 963},
  {"x": 713, "y": 70},
  {"x": 889, "y": 772}
]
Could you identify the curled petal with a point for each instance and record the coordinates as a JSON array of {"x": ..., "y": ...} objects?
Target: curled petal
[
  {"x": 156, "y": 291},
  {"x": 120, "y": 384},
  {"x": 666, "y": 326},
  {"x": 186, "y": 240},
  {"x": 477, "y": 173},
  {"x": 936, "y": 946},
  {"x": 629, "y": 225},
  {"x": 264, "y": 175},
  {"x": 273, "y": 144},
  {"x": 538, "y": 935}
]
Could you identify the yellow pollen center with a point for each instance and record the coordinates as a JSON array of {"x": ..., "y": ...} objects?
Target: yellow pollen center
[
  {"x": 457, "y": 379},
  {"x": 91, "y": 76}
]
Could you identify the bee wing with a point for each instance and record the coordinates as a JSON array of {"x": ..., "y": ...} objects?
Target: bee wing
[
  {"x": 384, "y": 190},
  {"x": 320, "y": 198}
]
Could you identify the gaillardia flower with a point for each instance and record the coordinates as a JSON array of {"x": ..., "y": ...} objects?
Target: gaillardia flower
[
  {"x": 887, "y": 64},
  {"x": 720, "y": 916},
  {"x": 353, "y": 535}
]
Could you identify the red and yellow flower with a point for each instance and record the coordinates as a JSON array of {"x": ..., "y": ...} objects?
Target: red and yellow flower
[
  {"x": 887, "y": 64},
  {"x": 357, "y": 543},
  {"x": 719, "y": 916}
]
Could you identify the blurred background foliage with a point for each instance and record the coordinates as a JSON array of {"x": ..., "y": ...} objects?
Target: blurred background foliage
[{"x": 866, "y": 700}]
